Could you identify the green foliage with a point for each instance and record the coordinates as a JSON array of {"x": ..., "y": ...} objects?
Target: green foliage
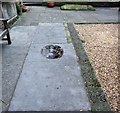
[
  {"x": 77, "y": 7},
  {"x": 19, "y": 9}
]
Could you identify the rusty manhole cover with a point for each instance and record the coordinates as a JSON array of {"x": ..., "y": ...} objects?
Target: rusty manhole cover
[{"x": 52, "y": 51}]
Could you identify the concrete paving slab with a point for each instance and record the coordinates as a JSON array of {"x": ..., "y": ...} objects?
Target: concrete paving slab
[
  {"x": 54, "y": 9},
  {"x": 88, "y": 17},
  {"x": 81, "y": 17},
  {"x": 52, "y": 17},
  {"x": 35, "y": 53},
  {"x": 55, "y": 84},
  {"x": 106, "y": 10},
  {"x": 37, "y": 9},
  {"x": 50, "y": 33},
  {"x": 12, "y": 67},
  {"x": 40, "y": 87},
  {"x": 22, "y": 35},
  {"x": 13, "y": 57},
  {"x": 71, "y": 16},
  {"x": 107, "y": 18},
  {"x": 27, "y": 18},
  {"x": 40, "y": 14},
  {"x": 106, "y": 14}
]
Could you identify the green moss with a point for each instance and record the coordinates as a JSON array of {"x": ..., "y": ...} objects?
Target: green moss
[
  {"x": 77, "y": 7},
  {"x": 96, "y": 83},
  {"x": 83, "y": 41},
  {"x": 67, "y": 33}
]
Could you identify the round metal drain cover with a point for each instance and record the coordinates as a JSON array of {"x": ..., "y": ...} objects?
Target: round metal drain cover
[{"x": 52, "y": 51}]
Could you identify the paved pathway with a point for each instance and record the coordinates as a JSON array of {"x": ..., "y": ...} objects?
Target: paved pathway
[
  {"x": 22, "y": 36},
  {"x": 47, "y": 84},
  {"x": 53, "y": 15}
]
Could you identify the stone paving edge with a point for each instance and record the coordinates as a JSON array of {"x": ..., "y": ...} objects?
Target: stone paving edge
[{"x": 95, "y": 93}]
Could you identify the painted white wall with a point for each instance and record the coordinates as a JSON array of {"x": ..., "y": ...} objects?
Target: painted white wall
[
  {"x": 1, "y": 15},
  {"x": 8, "y": 9}
]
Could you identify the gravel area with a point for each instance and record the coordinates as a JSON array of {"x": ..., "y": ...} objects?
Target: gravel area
[{"x": 101, "y": 45}]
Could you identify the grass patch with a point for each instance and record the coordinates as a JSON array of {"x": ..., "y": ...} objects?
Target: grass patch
[{"x": 77, "y": 7}]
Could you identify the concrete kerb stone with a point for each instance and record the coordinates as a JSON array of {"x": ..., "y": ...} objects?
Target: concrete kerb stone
[{"x": 98, "y": 101}]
